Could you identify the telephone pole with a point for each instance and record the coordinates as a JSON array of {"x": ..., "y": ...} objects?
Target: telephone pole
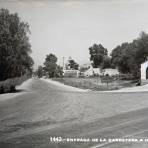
[{"x": 63, "y": 63}]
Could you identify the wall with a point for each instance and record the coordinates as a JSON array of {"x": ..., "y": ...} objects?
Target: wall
[
  {"x": 143, "y": 73},
  {"x": 71, "y": 73}
]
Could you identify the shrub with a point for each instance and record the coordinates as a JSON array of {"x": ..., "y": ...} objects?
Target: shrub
[
  {"x": 9, "y": 84},
  {"x": 1, "y": 89}
]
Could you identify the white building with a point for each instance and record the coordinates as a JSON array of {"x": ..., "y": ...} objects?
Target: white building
[
  {"x": 92, "y": 71},
  {"x": 144, "y": 72},
  {"x": 111, "y": 72},
  {"x": 98, "y": 71},
  {"x": 88, "y": 72},
  {"x": 71, "y": 73}
]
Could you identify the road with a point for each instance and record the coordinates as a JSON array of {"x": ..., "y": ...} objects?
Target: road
[{"x": 45, "y": 110}]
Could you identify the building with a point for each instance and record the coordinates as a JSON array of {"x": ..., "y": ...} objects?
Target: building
[
  {"x": 98, "y": 71},
  {"x": 92, "y": 71},
  {"x": 144, "y": 73},
  {"x": 111, "y": 72},
  {"x": 71, "y": 73},
  {"x": 69, "y": 69}
]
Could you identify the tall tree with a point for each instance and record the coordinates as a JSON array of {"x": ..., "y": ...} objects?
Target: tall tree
[
  {"x": 129, "y": 56},
  {"x": 120, "y": 58},
  {"x": 97, "y": 55},
  {"x": 50, "y": 66},
  {"x": 14, "y": 46}
]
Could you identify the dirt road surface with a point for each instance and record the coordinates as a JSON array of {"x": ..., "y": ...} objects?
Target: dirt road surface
[{"x": 42, "y": 110}]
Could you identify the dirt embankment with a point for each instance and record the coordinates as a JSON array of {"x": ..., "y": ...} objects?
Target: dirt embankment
[{"x": 19, "y": 91}]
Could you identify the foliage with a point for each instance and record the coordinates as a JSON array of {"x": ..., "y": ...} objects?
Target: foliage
[
  {"x": 58, "y": 71},
  {"x": 120, "y": 58},
  {"x": 107, "y": 63},
  {"x": 9, "y": 84},
  {"x": 97, "y": 55},
  {"x": 14, "y": 46},
  {"x": 40, "y": 72},
  {"x": 83, "y": 68},
  {"x": 129, "y": 56},
  {"x": 50, "y": 66},
  {"x": 72, "y": 64}
]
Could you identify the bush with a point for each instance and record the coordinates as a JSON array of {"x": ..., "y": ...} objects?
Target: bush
[
  {"x": 126, "y": 77},
  {"x": 9, "y": 84},
  {"x": 12, "y": 88},
  {"x": 1, "y": 89}
]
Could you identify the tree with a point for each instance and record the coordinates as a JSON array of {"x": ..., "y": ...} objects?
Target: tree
[
  {"x": 50, "y": 66},
  {"x": 84, "y": 68},
  {"x": 129, "y": 56},
  {"x": 141, "y": 48},
  {"x": 14, "y": 46},
  {"x": 120, "y": 58},
  {"x": 58, "y": 71},
  {"x": 72, "y": 64},
  {"x": 107, "y": 63},
  {"x": 97, "y": 54},
  {"x": 39, "y": 71}
]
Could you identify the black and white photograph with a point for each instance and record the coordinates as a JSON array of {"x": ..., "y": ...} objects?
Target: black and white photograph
[{"x": 73, "y": 73}]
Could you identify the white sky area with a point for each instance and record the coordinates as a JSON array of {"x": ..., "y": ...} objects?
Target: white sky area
[{"x": 69, "y": 27}]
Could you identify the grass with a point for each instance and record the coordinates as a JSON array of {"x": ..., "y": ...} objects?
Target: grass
[{"x": 94, "y": 83}]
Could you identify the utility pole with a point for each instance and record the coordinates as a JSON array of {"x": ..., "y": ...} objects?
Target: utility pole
[{"x": 63, "y": 63}]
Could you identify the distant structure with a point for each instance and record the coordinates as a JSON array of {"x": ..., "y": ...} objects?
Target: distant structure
[
  {"x": 98, "y": 71},
  {"x": 111, "y": 71},
  {"x": 144, "y": 73},
  {"x": 67, "y": 64},
  {"x": 70, "y": 72},
  {"x": 92, "y": 71}
]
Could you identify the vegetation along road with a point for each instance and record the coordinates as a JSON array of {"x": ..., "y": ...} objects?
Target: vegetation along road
[{"x": 46, "y": 110}]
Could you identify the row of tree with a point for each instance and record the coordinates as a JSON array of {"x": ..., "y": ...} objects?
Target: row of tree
[
  {"x": 127, "y": 57},
  {"x": 15, "y": 48},
  {"x": 51, "y": 69}
]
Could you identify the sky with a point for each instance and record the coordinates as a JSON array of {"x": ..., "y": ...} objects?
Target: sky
[{"x": 69, "y": 27}]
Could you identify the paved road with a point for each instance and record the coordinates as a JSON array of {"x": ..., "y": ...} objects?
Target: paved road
[{"x": 45, "y": 110}]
